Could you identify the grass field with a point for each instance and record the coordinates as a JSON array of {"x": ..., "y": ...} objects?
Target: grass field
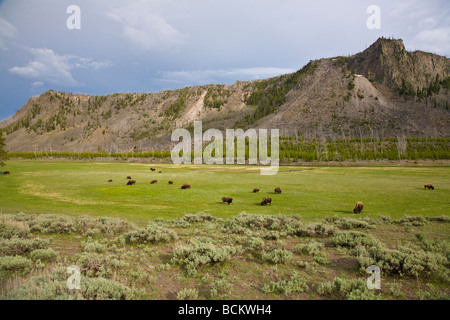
[
  {"x": 306, "y": 245},
  {"x": 81, "y": 188}
]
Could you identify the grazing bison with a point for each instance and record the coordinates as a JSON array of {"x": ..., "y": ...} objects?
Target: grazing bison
[
  {"x": 429, "y": 186},
  {"x": 109, "y": 180},
  {"x": 228, "y": 200},
  {"x": 256, "y": 190},
  {"x": 278, "y": 190},
  {"x": 159, "y": 171},
  {"x": 6, "y": 172},
  {"x": 358, "y": 208},
  {"x": 170, "y": 182},
  {"x": 185, "y": 186},
  {"x": 266, "y": 200},
  {"x": 131, "y": 182},
  {"x": 152, "y": 169},
  {"x": 154, "y": 181},
  {"x": 129, "y": 178}
]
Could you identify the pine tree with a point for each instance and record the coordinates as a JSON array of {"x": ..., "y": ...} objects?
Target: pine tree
[{"x": 3, "y": 152}]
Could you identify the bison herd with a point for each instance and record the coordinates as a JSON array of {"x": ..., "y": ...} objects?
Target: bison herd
[{"x": 265, "y": 201}]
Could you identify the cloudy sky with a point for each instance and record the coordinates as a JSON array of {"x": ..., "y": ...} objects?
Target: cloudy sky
[{"x": 153, "y": 45}]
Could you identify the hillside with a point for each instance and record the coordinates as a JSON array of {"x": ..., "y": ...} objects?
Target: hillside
[{"x": 384, "y": 91}]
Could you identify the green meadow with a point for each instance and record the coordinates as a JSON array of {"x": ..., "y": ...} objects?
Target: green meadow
[{"x": 82, "y": 188}]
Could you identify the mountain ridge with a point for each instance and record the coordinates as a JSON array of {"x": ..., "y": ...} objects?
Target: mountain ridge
[{"x": 383, "y": 91}]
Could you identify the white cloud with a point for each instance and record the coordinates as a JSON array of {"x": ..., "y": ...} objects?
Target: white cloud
[
  {"x": 37, "y": 84},
  {"x": 144, "y": 27},
  {"x": 7, "y": 31},
  {"x": 435, "y": 40},
  {"x": 53, "y": 68}
]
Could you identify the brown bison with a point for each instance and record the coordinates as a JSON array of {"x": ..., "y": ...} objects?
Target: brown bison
[
  {"x": 159, "y": 171},
  {"x": 109, "y": 180},
  {"x": 152, "y": 169},
  {"x": 6, "y": 172},
  {"x": 154, "y": 181},
  {"x": 128, "y": 177},
  {"x": 429, "y": 186},
  {"x": 170, "y": 182},
  {"x": 278, "y": 190},
  {"x": 256, "y": 190},
  {"x": 228, "y": 200},
  {"x": 131, "y": 182},
  {"x": 358, "y": 208},
  {"x": 266, "y": 200},
  {"x": 186, "y": 186}
]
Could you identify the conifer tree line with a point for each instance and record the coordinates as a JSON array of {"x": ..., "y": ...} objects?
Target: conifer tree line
[{"x": 293, "y": 150}]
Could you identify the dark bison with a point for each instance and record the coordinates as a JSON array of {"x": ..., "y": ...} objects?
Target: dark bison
[
  {"x": 109, "y": 180},
  {"x": 154, "y": 181},
  {"x": 186, "y": 186},
  {"x": 429, "y": 186},
  {"x": 256, "y": 190},
  {"x": 6, "y": 172},
  {"x": 128, "y": 177},
  {"x": 358, "y": 208},
  {"x": 170, "y": 182},
  {"x": 278, "y": 190},
  {"x": 152, "y": 169},
  {"x": 228, "y": 200},
  {"x": 159, "y": 171},
  {"x": 265, "y": 201},
  {"x": 131, "y": 182}
]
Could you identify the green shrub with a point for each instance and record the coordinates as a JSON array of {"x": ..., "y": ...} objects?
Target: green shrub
[
  {"x": 352, "y": 239},
  {"x": 221, "y": 288},
  {"x": 52, "y": 223},
  {"x": 164, "y": 266},
  {"x": 351, "y": 289},
  {"x": 253, "y": 243},
  {"x": 322, "y": 230},
  {"x": 195, "y": 254},
  {"x": 199, "y": 217},
  {"x": 17, "y": 246},
  {"x": 314, "y": 249},
  {"x": 180, "y": 223},
  {"x": 347, "y": 224},
  {"x": 10, "y": 228},
  {"x": 277, "y": 256},
  {"x": 44, "y": 255},
  {"x": 433, "y": 294},
  {"x": 187, "y": 294},
  {"x": 51, "y": 286},
  {"x": 439, "y": 219},
  {"x": 93, "y": 264},
  {"x": 94, "y": 246},
  {"x": 412, "y": 221},
  {"x": 105, "y": 289},
  {"x": 310, "y": 248},
  {"x": 265, "y": 226},
  {"x": 406, "y": 261},
  {"x": 150, "y": 234},
  {"x": 15, "y": 264},
  {"x": 295, "y": 284},
  {"x": 109, "y": 226}
]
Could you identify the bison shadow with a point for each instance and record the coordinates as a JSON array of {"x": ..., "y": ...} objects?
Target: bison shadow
[{"x": 343, "y": 211}]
